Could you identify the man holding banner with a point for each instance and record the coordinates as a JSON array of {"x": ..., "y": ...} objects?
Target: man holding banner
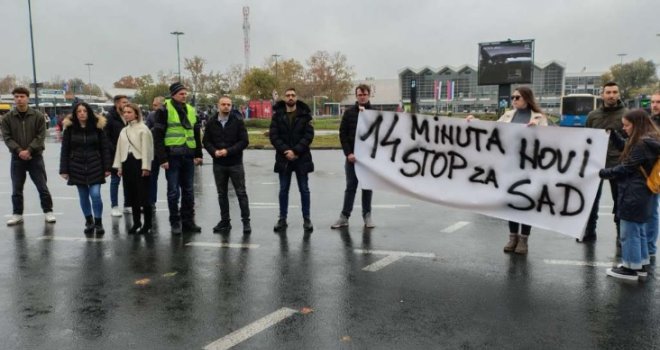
[
  {"x": 347, "y": 137},
  {"x": 541, "y": 177},
  {"x": 608, "y": 116}
]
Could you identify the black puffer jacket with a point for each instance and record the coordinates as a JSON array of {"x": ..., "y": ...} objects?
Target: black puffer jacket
[
  {"x": 634, "y": 201},
  {"x": 348, "y": 126},
  {"x": 86, "y": 152},
  {"x": 233, "y": 137},
  {"x": 297, "y": 137}
]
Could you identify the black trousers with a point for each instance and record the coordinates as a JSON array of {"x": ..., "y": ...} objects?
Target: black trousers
[{"x": 137, "y": 189}]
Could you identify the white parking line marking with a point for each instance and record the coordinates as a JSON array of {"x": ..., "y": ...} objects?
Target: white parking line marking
[
  {"x": 71, "y": 239},
  {"x": 34, "y": 214},
  {"x": 66, "y": 198},
  {"x": 455, "y": 227},
  {"x": 222, "y": 245},
  {"x": 392, "y": 257},
  {"x": 251, "y": 330},
  {"x": 382, "y": 263},
  {"x": 578, "y": 263},
  {"x": 392, "y": 252},
  {"x": 389, "y": 206},
  {"x": 269, "y": 183}
]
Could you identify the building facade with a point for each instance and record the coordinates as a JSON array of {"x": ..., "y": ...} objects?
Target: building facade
[{"x": 455, "y": 89}]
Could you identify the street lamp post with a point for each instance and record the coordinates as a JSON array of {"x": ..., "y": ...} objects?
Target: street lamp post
[
  {"x": 89, "y": 72},
  {"x": 178, "y": 52},
  {"x": 621, "y": 56},
  {"x": 34, "y": 65},
  {"x": 276, "y": 56},
  {"x": 314, "y": 103}
]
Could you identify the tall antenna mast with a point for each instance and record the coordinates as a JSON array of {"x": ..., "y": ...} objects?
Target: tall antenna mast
[{"x": 246, "y": 36}]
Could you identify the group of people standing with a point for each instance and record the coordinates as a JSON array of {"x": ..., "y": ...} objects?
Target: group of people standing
[
  {"x": 124, "y": 146},
  {"x": 633, "y": 149}
]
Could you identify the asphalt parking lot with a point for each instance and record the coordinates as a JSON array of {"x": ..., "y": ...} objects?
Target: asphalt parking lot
[{"x": 426, "y": 277}]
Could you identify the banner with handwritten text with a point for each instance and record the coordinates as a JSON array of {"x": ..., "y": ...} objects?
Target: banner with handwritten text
[{"x": 546, "y": 177}]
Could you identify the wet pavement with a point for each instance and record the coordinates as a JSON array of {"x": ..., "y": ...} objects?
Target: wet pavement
[{"x": 426, "y": 277}]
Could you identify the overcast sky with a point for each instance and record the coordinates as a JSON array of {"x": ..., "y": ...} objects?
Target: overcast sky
[{"x": 379, "y": 37}]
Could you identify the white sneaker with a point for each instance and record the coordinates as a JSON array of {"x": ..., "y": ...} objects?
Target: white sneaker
[
  {"x": 15, "y": 220},
  {"x": 50, "y": 217},
  {"x": 116, "y": 212},
  {"x": 128, "y": 210}
]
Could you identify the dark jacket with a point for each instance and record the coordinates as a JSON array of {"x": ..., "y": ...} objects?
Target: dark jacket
[
  {"x": 297, "y": 137},
  {"x": 161, "y": 152},
  {"x": 22, "y": 133},
  {"x": 608, "y": 118},
  {"x": 348, "y": 126},
  {"x": 233, "y": 137},
  {"x": 634, "y": 200},
  {"x": 113, "y": 129},
  {"x": 656, "y": 120},
  {"x": 86, "y": 152}
]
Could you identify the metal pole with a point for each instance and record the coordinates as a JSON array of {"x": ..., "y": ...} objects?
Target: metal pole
[
  {"x": 34, "y": 66},
  {"x": 89, "y": 71},
  {"x": 178, "y": 51}
]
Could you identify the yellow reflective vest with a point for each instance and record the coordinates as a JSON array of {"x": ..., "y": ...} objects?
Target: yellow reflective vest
[{"x": 176, "y": 134}]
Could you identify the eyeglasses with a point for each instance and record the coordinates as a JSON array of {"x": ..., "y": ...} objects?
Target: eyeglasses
[{"x": 516, "y": 97}]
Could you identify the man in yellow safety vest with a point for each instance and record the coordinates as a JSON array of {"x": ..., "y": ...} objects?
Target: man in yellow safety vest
[{"x": 178, "y": 148}]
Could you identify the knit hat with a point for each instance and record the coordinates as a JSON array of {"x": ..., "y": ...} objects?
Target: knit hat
[{"x": 176, "y": 87}]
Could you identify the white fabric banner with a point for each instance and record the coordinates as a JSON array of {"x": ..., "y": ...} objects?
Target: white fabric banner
[{"x": 546, "y": 177}]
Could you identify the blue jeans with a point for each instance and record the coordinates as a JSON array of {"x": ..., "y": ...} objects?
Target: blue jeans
[
  {"x": 303, "y": 187},
  {"x": 351, "y": 188},
  {"x": 652, "y": 227},
  {"x": 180, "y": 185},
  {"x": 19, "y": 168},
  {"x": 153, "y": 184},
  {"x": 634, "y": 249},
  {"x": 114, "y": 188},
  {"x": 93, "y": 192}
]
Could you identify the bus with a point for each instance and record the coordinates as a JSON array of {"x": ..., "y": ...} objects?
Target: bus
[
  {"x": 102, "y": 108},
  {"x": 574, "y": 108},
  {"x": 5, "y": 108}
]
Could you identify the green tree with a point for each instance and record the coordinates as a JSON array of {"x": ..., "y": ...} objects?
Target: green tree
[
  {"x": 7, "y": 84},
  {"x": 146, "y": 94},
  {"x": 633, "y": 78},
  {"x": 126, "y": 82},
  {"x": 258, "y": 83},
  {"x": 288, "y": 73},
  {"x": 195, "y": 66},
  {"x": 329, "y": 75},
  {"x": 144, "y": 80}
]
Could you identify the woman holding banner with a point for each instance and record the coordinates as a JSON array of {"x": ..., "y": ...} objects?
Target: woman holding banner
[
  {"x": 525, "y": 111},
  {"x": 635, "y": 200}
]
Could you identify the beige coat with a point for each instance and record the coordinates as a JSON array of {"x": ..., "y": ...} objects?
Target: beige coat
[
  {"x": 535, "y": 119},
  {"x": 136, "y": 138}
]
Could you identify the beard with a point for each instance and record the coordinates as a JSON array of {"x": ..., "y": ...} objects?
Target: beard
[{"x": 290, "y": 103}]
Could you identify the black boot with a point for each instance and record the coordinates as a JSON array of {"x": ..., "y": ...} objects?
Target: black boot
[
  {"x": 148, "y": 217},
  {"x": 98, "y": 226},
  {"x": 224, "y": 226},
  {"x": 190, "y": 227},
  {"x": 137, "y": 216},
  {"x": 89, "y": 225},
  {"x": 247, "y": 229}
]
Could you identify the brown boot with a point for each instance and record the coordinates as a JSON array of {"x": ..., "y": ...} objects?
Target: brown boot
[
  {"x": 521, "y": 248},
  {"x": 513, "y": 241}
]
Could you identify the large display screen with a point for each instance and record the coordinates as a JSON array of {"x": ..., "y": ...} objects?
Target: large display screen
[{"x": 506, "y": 62}]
